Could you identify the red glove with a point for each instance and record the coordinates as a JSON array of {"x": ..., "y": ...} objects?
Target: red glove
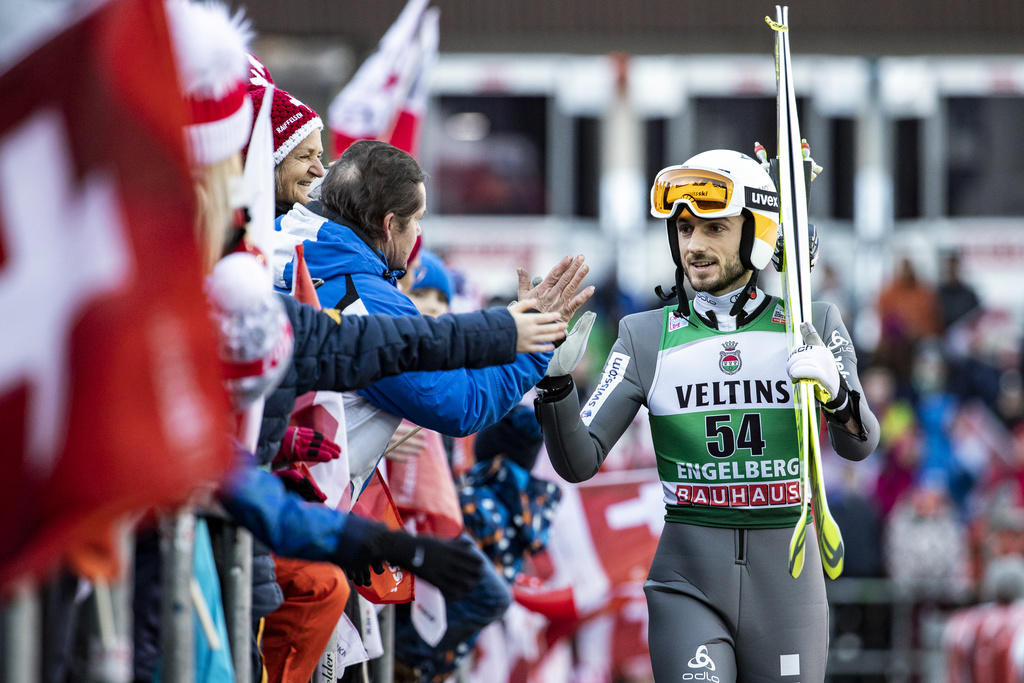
[
  {"x": 300, "y": 482},
  {"x": 302, "y": 444}
]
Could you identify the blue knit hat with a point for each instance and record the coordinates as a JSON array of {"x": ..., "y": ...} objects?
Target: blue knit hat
[{"x": 432, "y": 273}]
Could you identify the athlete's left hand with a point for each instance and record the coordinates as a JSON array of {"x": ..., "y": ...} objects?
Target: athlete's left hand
[{"x": 814, "y": 362}]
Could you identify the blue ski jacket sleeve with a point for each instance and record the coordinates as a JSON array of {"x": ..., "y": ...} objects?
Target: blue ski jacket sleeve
[
  {"x": 257, "y": 500},
  {"x": 357, "y": 350},
  {"x": 453, "y": 402}
]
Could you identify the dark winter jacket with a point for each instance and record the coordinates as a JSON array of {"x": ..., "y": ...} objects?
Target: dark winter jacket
[{"x": 353, "y": 353}]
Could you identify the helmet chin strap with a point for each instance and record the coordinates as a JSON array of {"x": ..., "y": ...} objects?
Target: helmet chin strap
[
  {"x": 749, "y": 292},
  {"x": 747, "y": 303},
  {"x": 678, "y": 292}
]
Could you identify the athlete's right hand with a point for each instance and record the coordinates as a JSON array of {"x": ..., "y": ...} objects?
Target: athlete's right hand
[
  {"x": 536, "y": 332},
  {"x": 814, "y": 362},
  {"x": 567, "y": 356}
]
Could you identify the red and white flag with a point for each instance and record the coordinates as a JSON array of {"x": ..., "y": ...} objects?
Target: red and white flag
[
  {"x": 387, "y": 97},
  {"x": 110, "y": 389},
  {"x": 583, "y": 576},
  {"x": 423, "y": 489},
  {"x": 405, "y": 133}
]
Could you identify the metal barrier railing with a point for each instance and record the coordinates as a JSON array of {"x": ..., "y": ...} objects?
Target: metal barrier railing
[
  {"x": 899, "y": 637},
  {"x": 110, "y": 617}
]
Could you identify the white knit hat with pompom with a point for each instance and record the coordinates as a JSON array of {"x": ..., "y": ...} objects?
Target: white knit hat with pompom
[{"x": 211, "y": 47}]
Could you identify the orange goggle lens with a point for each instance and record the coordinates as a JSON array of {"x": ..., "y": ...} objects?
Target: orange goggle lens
[{"x": 703, "y": 191}]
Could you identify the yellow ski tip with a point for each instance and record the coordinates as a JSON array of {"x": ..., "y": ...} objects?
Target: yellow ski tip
[
  {"x": 833, "y": 572},
  {"x": 831, "y": 547},
  {"x": 776, "y": 26}
]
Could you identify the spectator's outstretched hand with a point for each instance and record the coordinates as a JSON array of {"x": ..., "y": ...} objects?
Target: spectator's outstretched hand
[
  {"x": 453, "y": 566},
  {"x": 535, "y": 332},
  {"x": 557, "y": 292}
]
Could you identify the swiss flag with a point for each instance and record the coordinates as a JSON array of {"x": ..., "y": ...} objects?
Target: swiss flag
[
  {"x": 387, "y": 97},
  {"x": 584, "y": 576},
  {"x": 110, "y": 391},
  {"x": 323, "y": 411}
]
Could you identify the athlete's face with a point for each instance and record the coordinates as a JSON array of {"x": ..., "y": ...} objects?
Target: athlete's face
[{"x": 710, "y": 252}]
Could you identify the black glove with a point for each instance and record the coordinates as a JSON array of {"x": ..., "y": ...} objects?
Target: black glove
[
  {"x": 453, "y": 566},
  {"x": 812, "y": 239},
  {"x": 361, "y": 575}
]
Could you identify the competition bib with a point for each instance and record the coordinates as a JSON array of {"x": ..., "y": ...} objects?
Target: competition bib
[{"x": 722, "y": 421}]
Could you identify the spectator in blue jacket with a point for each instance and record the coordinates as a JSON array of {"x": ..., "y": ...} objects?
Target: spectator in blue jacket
[{"x": 358, "y": 238}]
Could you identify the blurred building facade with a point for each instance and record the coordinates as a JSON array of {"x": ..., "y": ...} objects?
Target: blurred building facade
[{"x": 542, "y": 135}]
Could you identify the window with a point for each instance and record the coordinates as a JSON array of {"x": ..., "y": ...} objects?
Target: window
[
  {"x": 491, "y": 158},
  {"x": 985, "y": 174},
  {"x": 657, "y": 149},
  {"x": 907, "y": 168},
  {"x": 841, "y": 168},
  {"x": 736, "y": 123},
  {"x": 587, "y": 146}
]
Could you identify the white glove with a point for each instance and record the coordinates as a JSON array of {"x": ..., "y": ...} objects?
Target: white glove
[
  {"x": 813, "y": 361},
  {"x": 567, "y": 356}
]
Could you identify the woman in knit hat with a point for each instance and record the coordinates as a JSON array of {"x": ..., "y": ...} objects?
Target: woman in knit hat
[{"x": 297, "y": 146}]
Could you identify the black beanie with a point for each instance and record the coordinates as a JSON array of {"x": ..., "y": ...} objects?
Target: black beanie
[{"x": 517, "y": 436}]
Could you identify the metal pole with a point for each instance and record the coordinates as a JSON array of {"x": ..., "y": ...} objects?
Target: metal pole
[
  {"x": 623, "y": 192},
  {"x": 177, "y": 538},
  {"x": 21, "y": 624},
  {"x": 110, "y": 647},
  {"x": 873, "y": 192},
  {"x": 236, "y": 551},
  {"x": 383, "y": 669}
]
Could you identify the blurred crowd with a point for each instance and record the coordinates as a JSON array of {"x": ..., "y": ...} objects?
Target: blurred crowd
[{"x": 943, "y": 496}]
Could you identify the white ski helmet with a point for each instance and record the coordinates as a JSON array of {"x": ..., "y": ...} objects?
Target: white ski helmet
[{"x": 721, "y": 183}]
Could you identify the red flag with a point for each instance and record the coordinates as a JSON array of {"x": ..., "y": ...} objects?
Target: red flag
[
  {"x": 423, "y": 489},
  {"x": 589, "y": 576},
  {"x": 395, "y": 585},
  {"x": 303, "y": 288},
  {"x": 110, "y": 391}
]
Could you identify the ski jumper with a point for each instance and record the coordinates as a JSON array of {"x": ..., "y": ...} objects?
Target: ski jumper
[{"x": 723, "y": 606}]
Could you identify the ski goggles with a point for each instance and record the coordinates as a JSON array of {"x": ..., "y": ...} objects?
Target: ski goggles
[{"x": 707, "y": 193}]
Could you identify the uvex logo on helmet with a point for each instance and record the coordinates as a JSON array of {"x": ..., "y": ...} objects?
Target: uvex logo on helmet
[{"x": 762, "y": 199}]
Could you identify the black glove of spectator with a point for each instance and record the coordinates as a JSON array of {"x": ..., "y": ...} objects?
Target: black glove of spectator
[
  {"x": 452, "y": 566},
  {"x": 361, "y": 576}
]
